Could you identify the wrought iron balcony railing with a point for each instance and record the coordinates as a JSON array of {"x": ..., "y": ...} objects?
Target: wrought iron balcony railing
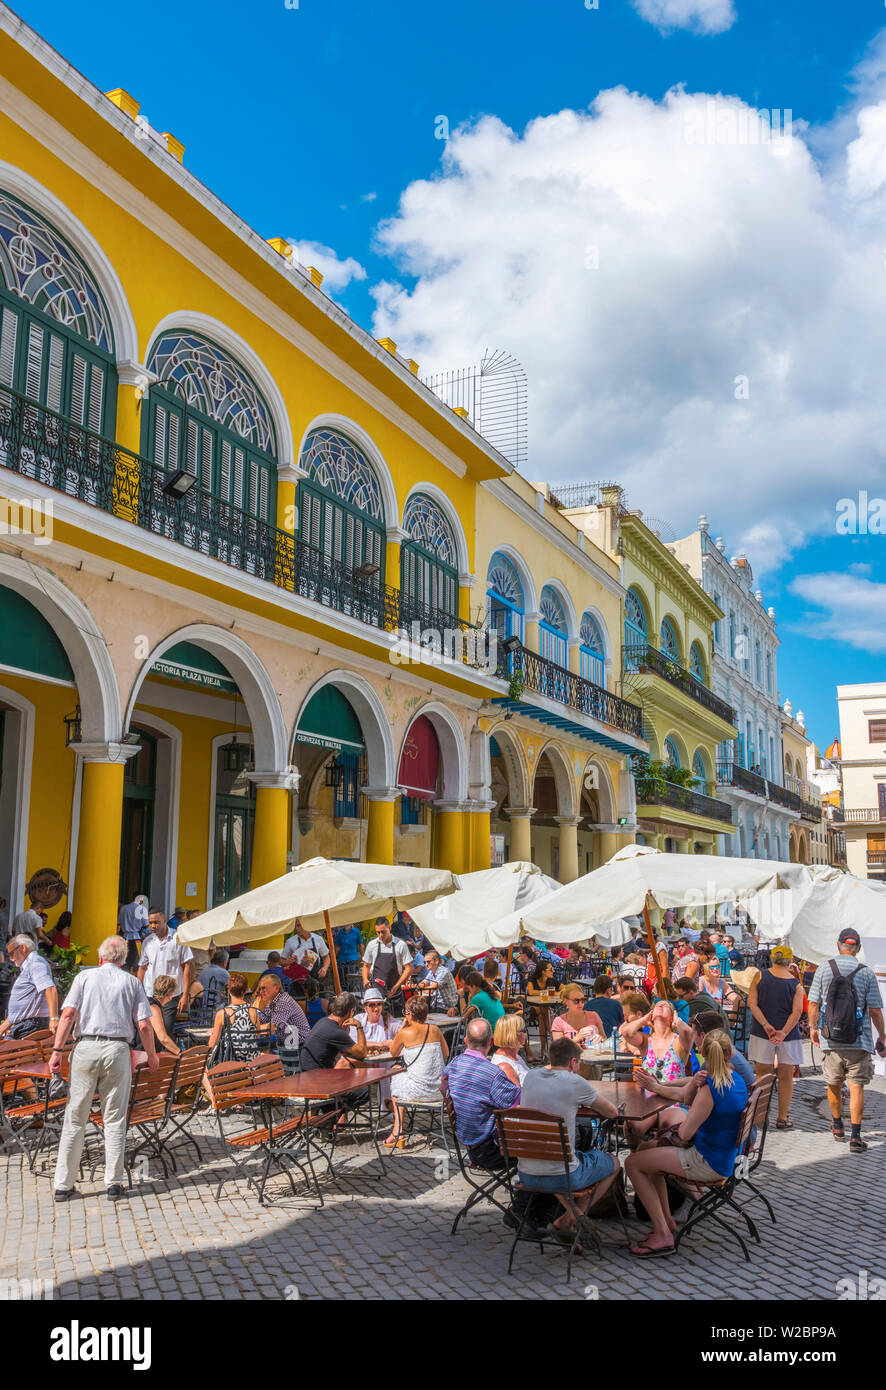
[
  {"x": 810, "y": 810},
  {"x": 668, "y": 794},
  {"x": 640, "y": 659},
  {"x": 39, "y": 444},
  {"x": 782, "y": 796},
  {"x": 544, "y": 677},
  {"x": 734, "y": 775}
]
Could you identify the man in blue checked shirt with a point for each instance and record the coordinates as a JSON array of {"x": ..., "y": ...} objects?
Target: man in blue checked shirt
[{"x": 478, "y": 1088}]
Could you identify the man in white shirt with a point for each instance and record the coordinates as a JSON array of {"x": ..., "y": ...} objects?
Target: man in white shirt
[
  {"x": 387, "y": 965},
  {"x": 33, "y": 1003},
  {"x": 163, "y": 954},
  {"x": 558, "y": 1090},
  {"x": 108, "y": 1006},
  {"x": 303, "y": 941}
]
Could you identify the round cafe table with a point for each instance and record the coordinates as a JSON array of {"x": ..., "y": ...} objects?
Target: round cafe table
[{"x": 543, "y": 1004}]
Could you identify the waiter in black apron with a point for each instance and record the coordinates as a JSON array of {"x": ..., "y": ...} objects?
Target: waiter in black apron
[{"x": 387, "y": 966}]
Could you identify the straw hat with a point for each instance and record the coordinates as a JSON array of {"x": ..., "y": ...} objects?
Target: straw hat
[{"x": 743, "y": 979}]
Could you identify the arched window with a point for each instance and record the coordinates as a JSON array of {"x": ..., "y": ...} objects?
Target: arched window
[
  {"x": 668, "y": 640},
  {"x": 505, "y": 601},
  {"x": 207, "y": 417},
  {"x": 56, "y": 339},
  {"x": 592, "y": 652},
  {"x": 635, "y": 631},
  {"x": 699, "y": 771},
  {"x": 671, "y": 753},
  {"x": 340, "y": 502},
  {"x": 746, "y": 651},
  {"x": 428, "y": 561},
  {"x": 552, "y": 635},
  {"x": 696, "y": 662}
]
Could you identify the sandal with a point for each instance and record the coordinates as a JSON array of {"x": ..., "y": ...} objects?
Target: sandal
[
  {"x": 392, "y": 1141},
  {"x": 648, "y": 1252},
  {"x": 786, "y": 1123},
  {"x": 857, "y": 1146},
  {"x": 839, "y": 1133}
]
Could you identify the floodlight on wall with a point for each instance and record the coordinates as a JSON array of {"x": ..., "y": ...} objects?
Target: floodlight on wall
[
  {"x": 179, "y": 484},
  {"x": 366, "y": 571},
  {"x": 511, "y": 644}
]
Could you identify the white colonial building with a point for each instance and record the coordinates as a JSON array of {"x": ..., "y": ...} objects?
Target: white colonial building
[
  {"x": 750, "y": 767},
  {"x": 862, "y": 763}
]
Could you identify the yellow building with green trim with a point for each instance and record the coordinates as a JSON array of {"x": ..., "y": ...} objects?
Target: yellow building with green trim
[{"x": 263, "y": 594}]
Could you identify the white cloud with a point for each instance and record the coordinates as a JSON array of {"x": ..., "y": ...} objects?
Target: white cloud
[
  {"x": 337, "y": 274},
  {"x": 715, "y": 262},
  {"x": 701, "y": 16},
  {"x": 853, "y": 609},
  {"x": 368, "y": 197}
]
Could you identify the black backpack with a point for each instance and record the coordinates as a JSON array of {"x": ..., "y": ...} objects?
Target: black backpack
[{"x": 842, "y": 1022}]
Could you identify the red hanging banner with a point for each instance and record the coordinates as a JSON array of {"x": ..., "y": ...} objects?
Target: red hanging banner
[{"x": 420, "y": 761}]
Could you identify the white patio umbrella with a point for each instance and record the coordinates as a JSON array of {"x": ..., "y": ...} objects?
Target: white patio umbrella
[
  {"x": 459, "y": 923},
  {"x": 639, "y": 877},
  {"x": 812, "y": 912},
  {"x": 322, "y": 894}
]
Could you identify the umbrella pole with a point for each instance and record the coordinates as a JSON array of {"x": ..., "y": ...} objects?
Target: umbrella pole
[
  {"x": 653, "y": 946},
  {"x": 331, "y": 944},
  {"x": 507, "y": 989}
]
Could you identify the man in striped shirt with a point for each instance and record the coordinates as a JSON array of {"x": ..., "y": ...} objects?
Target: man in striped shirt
[
  {"x": 440, "y": 985},
  {"x": 478, "y": 1088}
]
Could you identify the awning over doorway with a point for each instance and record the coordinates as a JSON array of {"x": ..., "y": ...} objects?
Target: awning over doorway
[
  {"x": 190, "y": 663},
  {"x": 329, "y": 721},
  {"x": 420, "y": 761}
]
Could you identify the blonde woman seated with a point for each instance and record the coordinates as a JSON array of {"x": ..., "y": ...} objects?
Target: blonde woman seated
[
  {"x": 712, "y": 1122},
  {"x": 576, "y": 1023},
  {"x": 510, "y": 1037},
  {"x": 165, "y": 988},
  {"x": 424, "y": 1050}
]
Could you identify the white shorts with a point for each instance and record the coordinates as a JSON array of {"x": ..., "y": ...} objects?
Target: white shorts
[{"x": 785, "y": 1054}]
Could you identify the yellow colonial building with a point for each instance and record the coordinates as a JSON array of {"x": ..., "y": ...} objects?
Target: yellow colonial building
[{"x": 263, "y": 594}]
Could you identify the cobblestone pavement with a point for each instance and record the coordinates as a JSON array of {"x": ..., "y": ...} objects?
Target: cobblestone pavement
[{"x": 172, "y": 1240}]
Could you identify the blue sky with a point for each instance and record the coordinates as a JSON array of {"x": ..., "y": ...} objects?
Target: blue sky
[{"x": 313, "y": 122}]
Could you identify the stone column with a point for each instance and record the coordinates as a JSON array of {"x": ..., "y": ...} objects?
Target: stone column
[
  {"x": 568, "y": 847},
  {"x": 97, "y": 874},
  {"x": 520, "y": 847},
  {"x": 380, "y": 824},
  {"x": 451, "y": 849}
]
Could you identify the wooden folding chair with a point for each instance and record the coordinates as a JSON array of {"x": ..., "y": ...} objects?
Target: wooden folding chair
[
  {"x": 484, "y": 1182},
  {"x": 191, "y": 1066},
  {"x": 719, "y": 1195},
  {"x": 150, "y": 1100},
  {"x": 19, "y": 1115},
  {"x": 533, "y": 1134}
]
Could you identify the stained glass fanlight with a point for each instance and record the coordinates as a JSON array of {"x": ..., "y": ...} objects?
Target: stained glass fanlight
[
  {"x": 696, "y": 662},
  {"x": 552, "y": 633},
  {"x": 592, "y": 650},
  {"x": 671, "y": 753},
  {"x": 341, "y": 506},
  {"x": 38, "y": 266},
  {"x": 429, "y": 561},
  {"x": 668, "y": 640},
  {"x": 698, "y": 769},
  {"x": 505, "y": 598},
  {"x": 208, "y": 380}
]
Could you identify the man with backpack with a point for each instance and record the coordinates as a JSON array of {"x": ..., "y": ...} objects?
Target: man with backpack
[{"x": 842, "y": 1029}]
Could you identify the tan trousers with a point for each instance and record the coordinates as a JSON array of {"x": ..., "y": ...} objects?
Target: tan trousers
[{"x": 104, "y": 1067}]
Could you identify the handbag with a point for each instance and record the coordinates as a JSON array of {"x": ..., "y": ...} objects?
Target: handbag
[{"x": 224, "y": 1048}]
